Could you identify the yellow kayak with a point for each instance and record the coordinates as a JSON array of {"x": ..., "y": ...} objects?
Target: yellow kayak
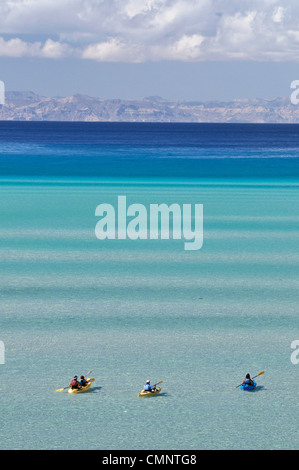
[
  {"x": 150, "y": 394},
  {"x": 83, "y": 389}
]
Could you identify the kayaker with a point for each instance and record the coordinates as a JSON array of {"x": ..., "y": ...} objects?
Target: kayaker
[
  {"x": 83, "y": 381},
  {"x": 247, "y": 380},
  {"x": 148, "y": 387},
  {"x": 74, "y": 383}
]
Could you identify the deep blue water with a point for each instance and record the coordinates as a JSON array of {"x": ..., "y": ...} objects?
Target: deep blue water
[{"x": 144, "y": 150}]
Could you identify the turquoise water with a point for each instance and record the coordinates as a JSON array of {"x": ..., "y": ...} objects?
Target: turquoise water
[{"x": 147, "y": 309}]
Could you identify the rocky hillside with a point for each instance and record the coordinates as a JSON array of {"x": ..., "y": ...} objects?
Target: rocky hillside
[{"x": 27, "y": 106}]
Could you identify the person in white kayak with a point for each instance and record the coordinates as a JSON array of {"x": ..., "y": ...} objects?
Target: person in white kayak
[{"x": 148, "y": 387}]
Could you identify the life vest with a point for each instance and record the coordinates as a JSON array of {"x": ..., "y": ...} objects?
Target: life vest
[
  {"x": 73, "y": 383},
  {"x": 248, "y": 382}
]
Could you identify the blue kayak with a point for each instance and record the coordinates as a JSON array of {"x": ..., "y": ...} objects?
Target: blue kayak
[{"x": 248, "y": 387}]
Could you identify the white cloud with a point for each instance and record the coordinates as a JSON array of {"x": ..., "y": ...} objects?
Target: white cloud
[
  {"x": 185, "y": 48},
  {"x": 142, "y": 30},
  {"x": 278, "y": 14},
  {"x": 17, "y": 48},
  {"x": 55, "y": 49},
  {"x": 112, "y": 50}
]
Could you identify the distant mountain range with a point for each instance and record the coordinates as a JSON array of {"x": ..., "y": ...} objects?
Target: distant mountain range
[{"x": 28, "y": 106}]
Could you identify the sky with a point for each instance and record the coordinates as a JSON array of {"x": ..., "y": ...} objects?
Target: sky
[{"x": 130, "y": 49}]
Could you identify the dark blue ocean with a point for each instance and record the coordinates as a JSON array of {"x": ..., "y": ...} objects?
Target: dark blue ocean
[
  {"x": 143, "y": 150},
  {"x": 141, "y": 309}
]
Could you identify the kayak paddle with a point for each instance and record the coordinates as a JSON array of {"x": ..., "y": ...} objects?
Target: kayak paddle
[
  {"x": 61, "y": 389},
  {"x": 161, "y": 381},
  {"x": 261, "y": 373},
  {"x": 155, "y": 385}
]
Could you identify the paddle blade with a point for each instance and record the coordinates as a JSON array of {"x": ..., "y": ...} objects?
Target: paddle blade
[
  {"x": 261, "y": 373},
  {"x": 59, "y": 389}
]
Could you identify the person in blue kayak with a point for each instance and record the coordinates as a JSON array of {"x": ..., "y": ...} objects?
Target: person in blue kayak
[
  {"x": 148, "y": 387},
  {"x": 247, "y": 380}
]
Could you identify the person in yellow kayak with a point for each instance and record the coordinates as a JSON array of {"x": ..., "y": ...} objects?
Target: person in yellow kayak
[
  {"x": 74, "y": 384},
  {"x": 83, "y": 381},
  {"x": 148, "y": 387}
]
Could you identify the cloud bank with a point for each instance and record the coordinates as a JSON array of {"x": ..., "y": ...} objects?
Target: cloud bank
[{"x": 150, "y": 30}]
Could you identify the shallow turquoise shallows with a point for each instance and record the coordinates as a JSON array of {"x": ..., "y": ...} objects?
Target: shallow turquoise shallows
[{"x": 134, "y": 310}]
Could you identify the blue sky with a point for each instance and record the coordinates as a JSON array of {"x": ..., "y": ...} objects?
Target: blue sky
[{"x": 177, "y": 49}]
